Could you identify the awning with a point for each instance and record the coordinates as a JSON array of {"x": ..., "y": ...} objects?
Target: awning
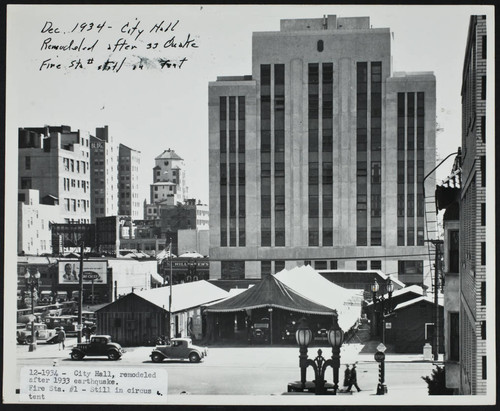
[{"x": 156, "y": 278}]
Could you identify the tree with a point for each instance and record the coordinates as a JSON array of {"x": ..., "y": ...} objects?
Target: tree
[{"x": 436, "y": 383}]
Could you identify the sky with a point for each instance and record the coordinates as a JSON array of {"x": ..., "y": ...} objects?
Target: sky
[{"x": 153, "y": 109}]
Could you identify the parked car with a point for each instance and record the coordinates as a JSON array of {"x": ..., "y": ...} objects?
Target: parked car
[
  {"x": 69, "y": 322},
  {"x": 61, "y": 296},
  {"x": 288, "y": 334},
  {"x": 260, "y": 331},
  {"x": 45, "y": 297},
  {"x": 179, "y": 349},
  {"x": 321, "y": 334},
  {"x": 99, "y": 345},
  {"x": 42, "y": 333}
]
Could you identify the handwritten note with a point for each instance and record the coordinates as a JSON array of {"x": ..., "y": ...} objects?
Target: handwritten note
[
  {"x": 102, "y": 384},
  {"x": 109, "y": 47}
]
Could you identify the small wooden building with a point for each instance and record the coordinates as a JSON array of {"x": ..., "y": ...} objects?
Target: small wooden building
[
  {"x": 412, "y": 324},
  {"x": 144, "y": 315},
  {"x": 131, "y": 320}
]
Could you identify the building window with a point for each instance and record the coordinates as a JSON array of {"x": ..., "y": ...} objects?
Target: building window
[
  {"x": 454, "y": 337},
  {"x": 483, "y": 330},
  {"x": 483, "y": 87},
  {"x": 483, "y": 293},
  {"x": 26, "y": 182},
  {"x": 232, "y": 270},
  {"x": 27, "y": 163},
  {"x": 279, "y": 266},
  {"x": 483, "y": 253},
  {"x": 484, "y": 367},
  {"x": 361, "y": 265},
  {"x": 454, "y": 251},
  {"x": 320, "y": 45},
  {"x": 483, "y": 214},
  {"x": 320, "y": 265},
  {"x": 376, "y": 264},
  {"x": 265, "y": 268},
  {"x": 411, "y": 271}
]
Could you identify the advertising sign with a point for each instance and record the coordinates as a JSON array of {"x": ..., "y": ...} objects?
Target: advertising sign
[{"x": 93, "y": 271}]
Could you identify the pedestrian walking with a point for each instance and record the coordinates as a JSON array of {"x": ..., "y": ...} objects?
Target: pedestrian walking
[
  {"x": 347, "y": 376},
  {"x": 353, "y": 379},
  {"x": 61, "y": 336}
]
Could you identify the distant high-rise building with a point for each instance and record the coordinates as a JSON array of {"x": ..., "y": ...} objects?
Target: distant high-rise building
[
  {"x": 473, "y": 278},
  {"x": 320, "y": 155},
  {"x": 128, "y": 180},
  {"x": 104, "y": 174},
  {"x": 55, "y": 161},
  {"x": 169, "y": 184}
]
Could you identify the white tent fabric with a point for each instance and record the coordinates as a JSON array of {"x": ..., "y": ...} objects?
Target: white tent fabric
[
  {"x": 184, "y": 296},
  {"x": 306, "y": 281},
  {"x": 164, "y": 254},
  {"x": 191, "y": 254}
]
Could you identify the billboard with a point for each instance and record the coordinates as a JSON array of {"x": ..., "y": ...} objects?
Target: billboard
[
  {"x": 74, "y": 234},
  {"x": 93, "y": 271}
]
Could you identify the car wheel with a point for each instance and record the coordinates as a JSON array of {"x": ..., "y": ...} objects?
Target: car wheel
[
  {"x": 193, "y": 357},
  {"x": 113, "y": 355},
  {"x": 157, "y": 357},
  {"x": 77, "y": 356},
  {"x": 29, "y": 339}
]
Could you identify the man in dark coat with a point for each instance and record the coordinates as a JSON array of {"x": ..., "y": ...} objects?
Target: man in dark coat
[
  {"x": 347, "y": 375},
  {"x": 61, "y": 336},
  {"x": 353, "y": 379}
]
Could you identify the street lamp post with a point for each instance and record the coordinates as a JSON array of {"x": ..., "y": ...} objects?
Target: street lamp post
[
  {"x": 385, "y": 309},
  {"x": 32, "y": 284},
  {"x": 304, "y": 336}
]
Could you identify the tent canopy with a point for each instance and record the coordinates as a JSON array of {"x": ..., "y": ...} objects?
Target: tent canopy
[
  {"x": 309, "y": 283},
  {"x": 270, "y": 292},
  {"x": 184, "y": 296}
]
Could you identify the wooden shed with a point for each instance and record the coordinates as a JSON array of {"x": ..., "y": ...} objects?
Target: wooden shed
[
  {"x": 132, "y": 320},
  {"x": 411, "y": 325}
]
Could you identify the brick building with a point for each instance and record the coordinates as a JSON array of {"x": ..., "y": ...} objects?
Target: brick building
[{"x": 473, "y": 275}]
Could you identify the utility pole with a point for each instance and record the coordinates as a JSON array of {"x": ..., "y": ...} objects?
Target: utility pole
[
  {"x": 80, "y": 293},
  {"x": 437, "y": 269}
]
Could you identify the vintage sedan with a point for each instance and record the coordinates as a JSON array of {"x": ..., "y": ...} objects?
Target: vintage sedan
[
  {"x": 99, "y": 345},
  {"x": 179, "y": 349},
  {"x": 25, "y": 336}
]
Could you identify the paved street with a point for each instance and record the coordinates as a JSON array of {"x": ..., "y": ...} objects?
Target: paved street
[{"x": 250, "y": 370}]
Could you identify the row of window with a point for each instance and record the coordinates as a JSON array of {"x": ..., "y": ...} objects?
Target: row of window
[
  {"x": 408, "y": 268},
  {"x": 72, "y": 204},
  {"x": 73, "y": 183},
  {"x": 72, "y": 165},
  {"x": 232, "y": 171}
]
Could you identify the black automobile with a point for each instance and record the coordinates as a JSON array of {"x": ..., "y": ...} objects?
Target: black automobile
[
  {"x": 288, "y": 334},
  {"x": 99, "y": 345},
  {"x": 260, "y": 331}
]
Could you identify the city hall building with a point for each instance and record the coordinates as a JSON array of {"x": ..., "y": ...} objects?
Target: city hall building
[{"x": 319, "y": 156}]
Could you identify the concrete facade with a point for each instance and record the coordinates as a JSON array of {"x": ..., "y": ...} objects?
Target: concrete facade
[
  {"x": 104, "y": 174},
  {"x": 34, "y": 236},
  {"x": 128, "y": 180},
  {"x": 55, "y": 161},
  {"x": 292, "y": 232},
  {"x": 193, "y": 240},
  {"x": 473, "y": 275}
]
